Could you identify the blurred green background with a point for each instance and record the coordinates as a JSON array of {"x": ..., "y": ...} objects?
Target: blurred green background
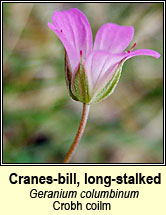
[{"x": 40, "y": 120}]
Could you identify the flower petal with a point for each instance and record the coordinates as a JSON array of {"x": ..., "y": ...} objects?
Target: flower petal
[
  {"x": 138, "y": 52},
  {"x": 100, "y": 67},
  {"x": 74, "y": 31},
  {"x": 113, "y": 38}
]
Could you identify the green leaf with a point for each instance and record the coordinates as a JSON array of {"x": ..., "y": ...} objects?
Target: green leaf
[
  {"x": 80, "y": 85},
  {"x": 68, "y": 77},
  {"x": 109, "y": 88}
]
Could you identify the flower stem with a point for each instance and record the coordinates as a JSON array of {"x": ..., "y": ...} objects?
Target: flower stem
[{"x": 79, "y": 134}]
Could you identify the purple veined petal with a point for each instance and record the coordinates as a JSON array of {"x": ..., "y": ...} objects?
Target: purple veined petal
[
  {"x": 74, "y": 31},
  {"x": 100, "y": 67},
  {"x": 74, "y": 57},
  {"x": 138, "y": 52},
  {"x": 114, "y": 38}
]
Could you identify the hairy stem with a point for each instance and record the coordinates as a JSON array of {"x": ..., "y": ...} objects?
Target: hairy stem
[{"x": 79, "y": 134}]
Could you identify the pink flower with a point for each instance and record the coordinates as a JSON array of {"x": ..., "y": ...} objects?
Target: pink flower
[{"x": 93, "y": 71}]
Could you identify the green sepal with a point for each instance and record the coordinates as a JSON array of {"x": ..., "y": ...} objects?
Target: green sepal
[
  {"x": 68, "y": 77},
  {"x": 80, "y": 85},
  {"x": 109, "y": 88}
]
